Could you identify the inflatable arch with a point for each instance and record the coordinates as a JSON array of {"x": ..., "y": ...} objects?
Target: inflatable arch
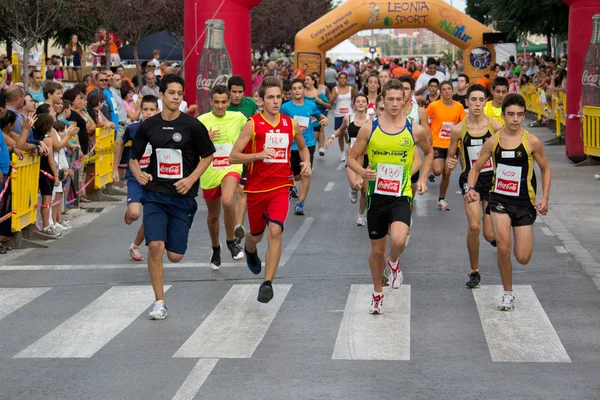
[{"x": 356, "y": 15}]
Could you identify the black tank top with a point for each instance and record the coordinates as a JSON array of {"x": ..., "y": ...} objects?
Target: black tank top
[
  {"x": 470, "y": 146},
  {"x": 352, "y": 129}
]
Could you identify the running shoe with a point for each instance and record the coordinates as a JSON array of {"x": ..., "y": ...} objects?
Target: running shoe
[
  {"x": 396, "y": 273},
  {"x": 265, "y": 292},
  {"x": 293, "y": 192},
  {"x": 239, "y": 233},
  {"x": 59, "y": 228},
  {"x": 50, "y": 232},
  {"x": 385, "y": 279},
  {"x": 353, "y": 194},
  {"x": 361, "y": 220},
  {"x": 431, "y": 178},
  {"x": 215, "y": 259},
  {"x": 508, "y": 303},
  {"x": 597, "y": 176},
  {"x": 135, "y": 253},
  {"x": 343, "y": 157},
  {"x": 236, "y": 251},
  {"x": 474, "y": 280},
  {"x": 299, "y": 210},
  {"x": 376, "y": 304},
  {"x": 321, "y": 151},
  {"x": 443, "y": 206},
  {"x": 159, "y": 310},
  {"x": 253, "y": 262},
  {"x": 66, "y": 225}
]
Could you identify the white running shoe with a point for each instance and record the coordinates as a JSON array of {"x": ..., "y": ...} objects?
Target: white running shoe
[
  {"x": 361, "y": 220},
  {"x": 343, "y": 157},
  {"x": 321, "y": 151},
  {"x": 135, "y": 253},
  {"x": 159, "y": 310},
  {"x": 442, "y": 205},
  {"x": 353, "y": 194},
  {"x": 376, "y": 304},
  {"x": 396, "y": 273},
  {"x": 507, "y": 304}
]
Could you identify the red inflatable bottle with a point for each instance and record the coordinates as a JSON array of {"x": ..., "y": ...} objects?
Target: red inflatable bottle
[{"x": 590, "y": 78}]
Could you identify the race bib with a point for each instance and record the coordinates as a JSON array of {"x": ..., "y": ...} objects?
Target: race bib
[
  {"x": 280, "y": 143},
  {"x": 446, "y": 129},
  {"x": 389, "y": 180},
  {"x": 302, "y": 121},
  {"x": 221, "y": 156},
  {"x": 508, "y": 180},
  {"x": 474, "y": 155},
  {"x": 145, "y": 161},
  {"x": 170, "y": 163}
]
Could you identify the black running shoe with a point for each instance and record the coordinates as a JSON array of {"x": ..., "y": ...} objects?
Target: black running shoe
[
  {"x": 236, "y": 250},
  {"x": 474, "y": 281},
  {"x": 253, "y": 262},
  {"x": 215, "y": 259},
  {"x": 265, "y": 292},
  {"x": 431, "y": 178}
]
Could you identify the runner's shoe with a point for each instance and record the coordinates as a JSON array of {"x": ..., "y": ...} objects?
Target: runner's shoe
[
  {"x": 299, "y": 210},
  {"x": 343, "y": 157},
  {"x": 443, "y": 206},
  {"x": 431, "y": 178},
  {"x": 507, "y": 304},
  {"x": 353, "y": 194},
  {"x": 239, "y": 233},
  {"x": 293, "y": 192},
  {"x": 135, "y": 253},
  {"x": 376, "y": 304},
  {"x": 253, "y": 262},
  {"x": 396, "y": 273},
  {"x": 321, "y": 151},
  {"x": 474, "y": 280},
  {"x": 265, "y": 292},
  {"x": 159, "y": 310},
  {"x": 361, "y": 220},
  {"x": 385, "y": 279},
  {"x": 215, "y": 259},
  {"x": 236, "y": 251}
]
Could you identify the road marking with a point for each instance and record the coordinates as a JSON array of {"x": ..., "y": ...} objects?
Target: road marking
[
  {"x": 130, "y": 265},
  {"x": 523, "y": 335},
  {"x": 86, "y": 332},
  {"x": 329, "y": 186},
  {"x": 561, "y": 249},
  {"x": 296, "y": 240},
  {"x": 194, "y": 381},
  {"x": 11, "y": 299},
  {"x": 363, "y": 336},
  {"x": 341, "y": 166},
  {"x": 420, "y": 205},
  {"x": 14, "y": 253},
  {"x": 236, "y": 326},
  {"x": 547, "y": 231}
]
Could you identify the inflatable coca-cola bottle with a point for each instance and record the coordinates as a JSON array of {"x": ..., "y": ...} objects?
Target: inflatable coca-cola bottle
[
  {"x": 214, "y": 67},
  {"x": 590, "y": 79}
]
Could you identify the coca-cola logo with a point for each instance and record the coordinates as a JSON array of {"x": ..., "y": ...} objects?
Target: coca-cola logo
[
  {"x": 208, "y": 83},
  {"x": 221, "y": 161},
  {"x": 507, "y": 186},
  {"x": 588, "y": 79},
  {"x": 388, "y": 185},
  {"x": 280, "y": 154},
  {"x": 144, "y": 162},
  {"x": 170, "y": 169}
]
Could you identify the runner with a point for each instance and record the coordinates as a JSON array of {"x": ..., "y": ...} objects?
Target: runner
[
  {"x": 320, "y": 95},
  {"x": 341, "y": 102},
  {"x": 149, "y": 107},
  {"x": 220, "y": 181},
  {"x": 493, "y": 108},
  {"x": 462, "y": 85},
  {"x": 513, "y": 195},
  {"x": 470, "y": 135},
  {"x": 372, "y": 90},
  {"x": 301, "y": 110},
  {"x": 444, "y": 114},
  {"x": 265, "y": 144},
  {"x": 384, "y": 77},
  {"x": 181, "y": 152},
  {"x": 433, "y": 95},
  {"x": 389, "y": 194}
]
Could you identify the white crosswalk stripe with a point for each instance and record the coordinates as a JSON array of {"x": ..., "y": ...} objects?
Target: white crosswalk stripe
[{"x": 11, "y": 299}]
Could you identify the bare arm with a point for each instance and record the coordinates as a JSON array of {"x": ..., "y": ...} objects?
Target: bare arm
[
  {"x": 455, "y": 136},
  {"x": 425, "y": 122},
  {"x": 303, "y": 150},
  {"x": 540, "y": 158},
  {"x": 356, "y": 152},
  {"x": 422, "y": 139}
]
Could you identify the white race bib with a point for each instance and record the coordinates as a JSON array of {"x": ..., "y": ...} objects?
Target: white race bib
[
  {"x": 389, "y": 179},
  {"x": 446, "y": 129},
  {"x": 221, "y": 156},
  {"x": 474, "y": 155},
  {"x": 145, "y": 161},
  {"x": 344, "y": 110},
  {"x": 302, "y": 121},
  {"x": 170, "y": 163},
  {"x": 280, "y": 143},
  {"x": 508, "y": 180}
]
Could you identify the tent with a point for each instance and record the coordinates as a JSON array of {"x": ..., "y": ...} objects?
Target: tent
[
  {"x": 163, "y": 41},
  {"x": 347, "y": 51}
]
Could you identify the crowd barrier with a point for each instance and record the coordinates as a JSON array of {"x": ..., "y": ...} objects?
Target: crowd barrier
[
  {"x": 591, "y": 131},
  {"x": 537, "y": 103},
  {"x": 17, "y": 66},
  {"x": 24, "y": 190},
  {"x": 105, "y": 145}
]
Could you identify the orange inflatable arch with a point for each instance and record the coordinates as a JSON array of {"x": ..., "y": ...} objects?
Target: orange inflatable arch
[{"x": 353, "y": 16}]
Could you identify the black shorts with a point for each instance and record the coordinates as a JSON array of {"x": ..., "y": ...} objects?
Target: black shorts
[
  {"x": 296, "y": 160},
  {"x": 439, "y": 152},
  {"x": 415, "y": 178},
  {"x": 483, "y": 186},
  {"x": 46, "y": 185},
  {"x": 520, "y": 215},
  {"x": 244, "y": 175},
  {"x": 383, "y": 210}
]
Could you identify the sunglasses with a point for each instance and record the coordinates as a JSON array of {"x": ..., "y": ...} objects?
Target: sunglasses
[{"x": 103, "y": 80}]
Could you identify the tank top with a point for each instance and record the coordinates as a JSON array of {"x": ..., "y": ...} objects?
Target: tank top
[
  {"x": 470, "y": 147},
  {"x": 493, "y": 112},
  {"x": 427, "y": 101},
  {"x": 268, "y": 175},
  {"x": 391, "y": 155},
  {"x": 514, "y": 176},
  {"x": 414, "y": 113},
  {"x": 343, "y": 104},
  {"x": 352, "y": 130}
]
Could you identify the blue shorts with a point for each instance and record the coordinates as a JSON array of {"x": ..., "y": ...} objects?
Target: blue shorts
[
  {"x": 134, "y": 191},
  {"x": 168, "y": 219},
  {"x": 337, "y": 122}
]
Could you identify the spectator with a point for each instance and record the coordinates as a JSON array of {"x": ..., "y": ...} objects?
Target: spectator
[
  {"x": 132, "y": 108},
  {"x": 150, "y": 87},
  {"x": 121, "y": 71},
  {"x": 300, "y": 73},
  {"x": 94, "y": 109},
  {"x": 52, "y": 92},
  {"x": 155, "y": 61},
  {"x": 533, "y": 67},
  {"x": 111, "y": 44},
  {"x": 120, "y": 112},
  {"x": 35, "y": 86},
  {"x": 74, "y": 54}
]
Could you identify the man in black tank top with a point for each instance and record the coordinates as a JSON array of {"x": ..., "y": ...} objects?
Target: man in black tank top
[
  {"x": 512, "y": 198},
  {"x": 472, "y": 133}
]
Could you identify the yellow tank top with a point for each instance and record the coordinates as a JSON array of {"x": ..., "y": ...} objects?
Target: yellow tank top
[{"x": 493, "y": 112}]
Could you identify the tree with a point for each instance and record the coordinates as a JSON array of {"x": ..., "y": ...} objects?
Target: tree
[{"x": 173, "y": 20}]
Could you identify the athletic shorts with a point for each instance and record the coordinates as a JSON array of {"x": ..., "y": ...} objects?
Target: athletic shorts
[
  {"x": 296, "y": 160},
  {"x": 168, "y": 219},
  {"x": 337, "y": 122},
  {"x": 244, "y": 175},
  {"x": 317, "y": 128},
  {"x": 439, "y": 152},
  {"x": 383, "y": 211},
  {"x": 415, "y": 178},
  {"x": 215, "y": 193},
  {"x": 520, "y": 215},
  {"x": 46, "y": 185},
  {"x": 483, "y": 185},
  {"x": 267, "y": 207},
  {"x": 134, "y": 191}
]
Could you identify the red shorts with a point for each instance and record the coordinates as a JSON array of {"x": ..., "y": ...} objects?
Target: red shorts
[
  {"x": 266, "y": 207},
  {"x": 215, "y": 193}
]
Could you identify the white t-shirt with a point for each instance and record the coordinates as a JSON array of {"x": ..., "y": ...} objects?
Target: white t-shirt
[{"x": 424, "y": 80}]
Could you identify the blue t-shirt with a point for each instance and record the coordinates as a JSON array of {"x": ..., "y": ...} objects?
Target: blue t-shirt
[
  {"x": 114, "y": 116},
  {"x": 37, "y": 96},
  {"x": 302, "y": 114},
  {"x": 129, "y": 134},
  {"x": 4, "y": 157}
]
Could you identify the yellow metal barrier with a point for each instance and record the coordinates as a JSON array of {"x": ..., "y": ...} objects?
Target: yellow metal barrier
[
  {"x": 16, "y": 68},
  {"x": 560, "y": 110},
  {"x": 105, "y": 155},
  {"x": 591, "y": 131},
  {"x": 24, "y": 177}
]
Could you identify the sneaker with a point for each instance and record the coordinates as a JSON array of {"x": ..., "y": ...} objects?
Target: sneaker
[
  {"x": 265, "y": 292},
  {"x": 431, "y": 178},
  {"x": 59, "y": 228},
  {"x": 343, "y": 157},
  {"x": 215, "y": 259},
  {"x": 376, "y": 304},
  {"x": 159, "y": 310},
  {"x": 396, "y": 274},
  {"x": 474, "y": 280},
  {"x": 353, "y": 194},
  {"x": 135, "y": 253},
  {"x": 361, "y": 220},
  {"x": 507, "y": 304},
  {"x": 443, "y": 206},
  {"x": 385, "y": 279},
  {"x": 597, "y": 176},
  {"x": 299, "y": 210},
  {"x": 50, "y": 232},
  {"x": 321, "y": 151},
  {"x": 239, "y": 233},
  {"x": 253, "y": 262},
  {"x": 293, "y": 192},
  {"x": 236, "y": 251}
]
